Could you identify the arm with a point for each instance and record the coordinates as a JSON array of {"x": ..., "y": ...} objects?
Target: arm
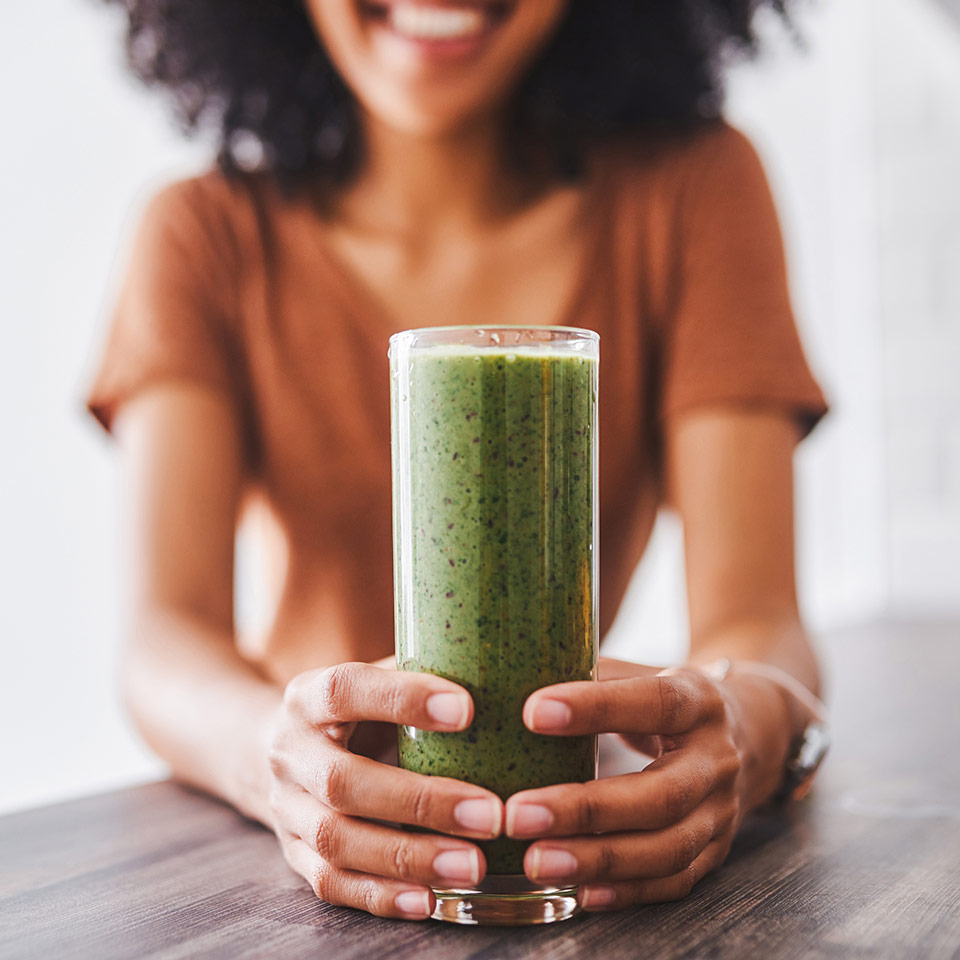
[
  {"x": 720, "y": 747},
  {"x": 195, "y": 700},
  {"x": 279, "y": 755},
  {"x": 730, "y": 477}
]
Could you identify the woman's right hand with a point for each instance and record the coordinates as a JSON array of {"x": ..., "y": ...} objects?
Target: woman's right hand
[{"x": 325, "y": 800}]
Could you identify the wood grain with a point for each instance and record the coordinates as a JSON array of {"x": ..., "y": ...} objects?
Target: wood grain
[{"x": 867, "y": 866}]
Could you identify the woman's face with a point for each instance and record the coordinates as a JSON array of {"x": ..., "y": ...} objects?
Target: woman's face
[{"x": 427, "y": 67}]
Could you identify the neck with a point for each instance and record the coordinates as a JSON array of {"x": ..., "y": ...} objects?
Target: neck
[{"x": 409, "y": 184}]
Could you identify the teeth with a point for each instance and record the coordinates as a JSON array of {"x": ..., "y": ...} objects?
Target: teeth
[{"x": 435, "y": 23}]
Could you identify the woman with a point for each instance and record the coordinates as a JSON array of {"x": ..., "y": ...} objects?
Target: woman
[{"x": 388, "y": 164}]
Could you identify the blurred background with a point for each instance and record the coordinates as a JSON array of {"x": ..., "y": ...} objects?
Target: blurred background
[{"x": 860, "y": 132}]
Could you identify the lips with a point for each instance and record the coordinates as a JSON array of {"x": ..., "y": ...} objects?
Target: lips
[{"x": 437, "y": 23}]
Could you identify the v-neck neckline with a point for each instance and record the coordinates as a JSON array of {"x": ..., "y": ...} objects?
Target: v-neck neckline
[{"x": 359, "y": 298}]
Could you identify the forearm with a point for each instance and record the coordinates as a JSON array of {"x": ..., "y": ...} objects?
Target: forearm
[{"x": 201, "y": 706}]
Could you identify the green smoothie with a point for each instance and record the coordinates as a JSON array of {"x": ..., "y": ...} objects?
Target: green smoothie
[{"x": 498, "y": 593}]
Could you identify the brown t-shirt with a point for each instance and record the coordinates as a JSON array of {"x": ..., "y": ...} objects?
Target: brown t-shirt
[{"x": 232, "y": 285}]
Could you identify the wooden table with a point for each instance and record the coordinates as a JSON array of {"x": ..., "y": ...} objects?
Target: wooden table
[{"x": 867, "y": 866}]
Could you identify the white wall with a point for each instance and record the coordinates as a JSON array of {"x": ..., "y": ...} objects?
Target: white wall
[
  {"x": 917, "y": 78},
  {"x": 83, "y": 147}
]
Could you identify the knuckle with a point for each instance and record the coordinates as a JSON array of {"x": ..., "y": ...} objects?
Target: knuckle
[
  {"x": 326, "y": 838},
  {"x": 686, "y": 845},
  {"x": 405, "y": 859},
  {"x": 688, "y": 880},
  {"x": 398, "y": 701},
  {"x": 322, "y": 883},
  {"x": 293, "y": 692},
  {"x": 677, "y": 798},
  {"x": 672, "y": 701},
  {"x": 367, "y": 896},
  {"x": 277, "y": 759},
  {"x": 587, "y": 812},
  {"x": 331, "y": 783},
  {"x": 635, "y": 893},
  {"x": 608, "y": 860},
  {"x": 598, "y": 710},
  {"x": 331, "y": 686},
  {"x": 729, "y": 763},
  {"x": 645, "y": 892},
  {"x": 713, "y": 705},
  {"x": 420, "y": 802}
]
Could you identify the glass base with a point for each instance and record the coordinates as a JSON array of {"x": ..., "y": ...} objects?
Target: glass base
[{"x": 506, "y": 901}]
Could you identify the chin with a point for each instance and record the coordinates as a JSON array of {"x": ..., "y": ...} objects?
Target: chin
[{"x": 419, "y": 118}]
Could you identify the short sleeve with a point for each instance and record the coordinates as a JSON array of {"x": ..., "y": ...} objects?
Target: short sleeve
[
  {"x": 730, "y": 337},
  {"x": 171, "y": 320}
]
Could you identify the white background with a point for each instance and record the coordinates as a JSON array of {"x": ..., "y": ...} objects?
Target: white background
[{"x": 861, "y": 136}]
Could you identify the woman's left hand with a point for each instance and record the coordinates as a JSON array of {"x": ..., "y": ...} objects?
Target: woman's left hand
[{"x": 649, "y": 836}]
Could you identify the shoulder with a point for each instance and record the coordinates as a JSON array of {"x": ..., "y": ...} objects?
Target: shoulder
[
  {"x": 210, "y": 216},
  {"x": 209, "y": 199},
  {"x": 674, "y": 184},
  {"x": 684, "y": 197}
]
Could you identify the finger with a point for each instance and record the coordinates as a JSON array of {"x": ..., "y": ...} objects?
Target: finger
[
  {"x": 359, "y": 787},
  {"x": 359, "y": 845},
  {"x": 349, "y": 692},
  {"x": 616, "y": 896},
  {"x": 345, "y": 888},
  {"x": 662, "y": 704},
  {"x": 665, "y": 792},
  {"x": 621, "y": 856}
]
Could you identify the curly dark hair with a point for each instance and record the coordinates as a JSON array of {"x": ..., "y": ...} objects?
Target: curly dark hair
[{"x": 255, "y": 72}]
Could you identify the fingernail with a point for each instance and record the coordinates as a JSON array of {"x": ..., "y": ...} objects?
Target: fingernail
[
  {"x": 597, "y": 896},
  {"x": 480, "y": 814},
  {"x": 461, "y": 866},
  {"x": 528, "y": 819},
  {"x": 552, "y": 864},
  {"x": 551, "y": 715},
  {"x": 413, "y": 903},
  {"x": 450, "y": 709}
]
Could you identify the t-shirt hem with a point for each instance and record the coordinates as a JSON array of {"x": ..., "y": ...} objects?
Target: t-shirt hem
[
  {"x": 104, "y": 405},
  {"x": 805, "y": 411}
]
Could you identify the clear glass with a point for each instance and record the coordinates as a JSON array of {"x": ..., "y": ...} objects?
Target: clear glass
[{"x": 495, "y": 565}]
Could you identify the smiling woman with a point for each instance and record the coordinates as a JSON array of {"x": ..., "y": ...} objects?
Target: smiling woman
[
  {"x": 406, "y": 163},
  {"x": 255, "y": 72}
]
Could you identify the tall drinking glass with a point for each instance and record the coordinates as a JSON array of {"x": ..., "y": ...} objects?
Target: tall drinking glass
[{"x": 495, "y": 565}]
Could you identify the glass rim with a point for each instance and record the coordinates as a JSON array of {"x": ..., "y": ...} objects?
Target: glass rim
[{"x": 582, "y": 334}]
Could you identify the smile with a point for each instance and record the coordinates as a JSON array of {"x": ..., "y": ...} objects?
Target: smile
[{"x": 436, "y": 23}]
